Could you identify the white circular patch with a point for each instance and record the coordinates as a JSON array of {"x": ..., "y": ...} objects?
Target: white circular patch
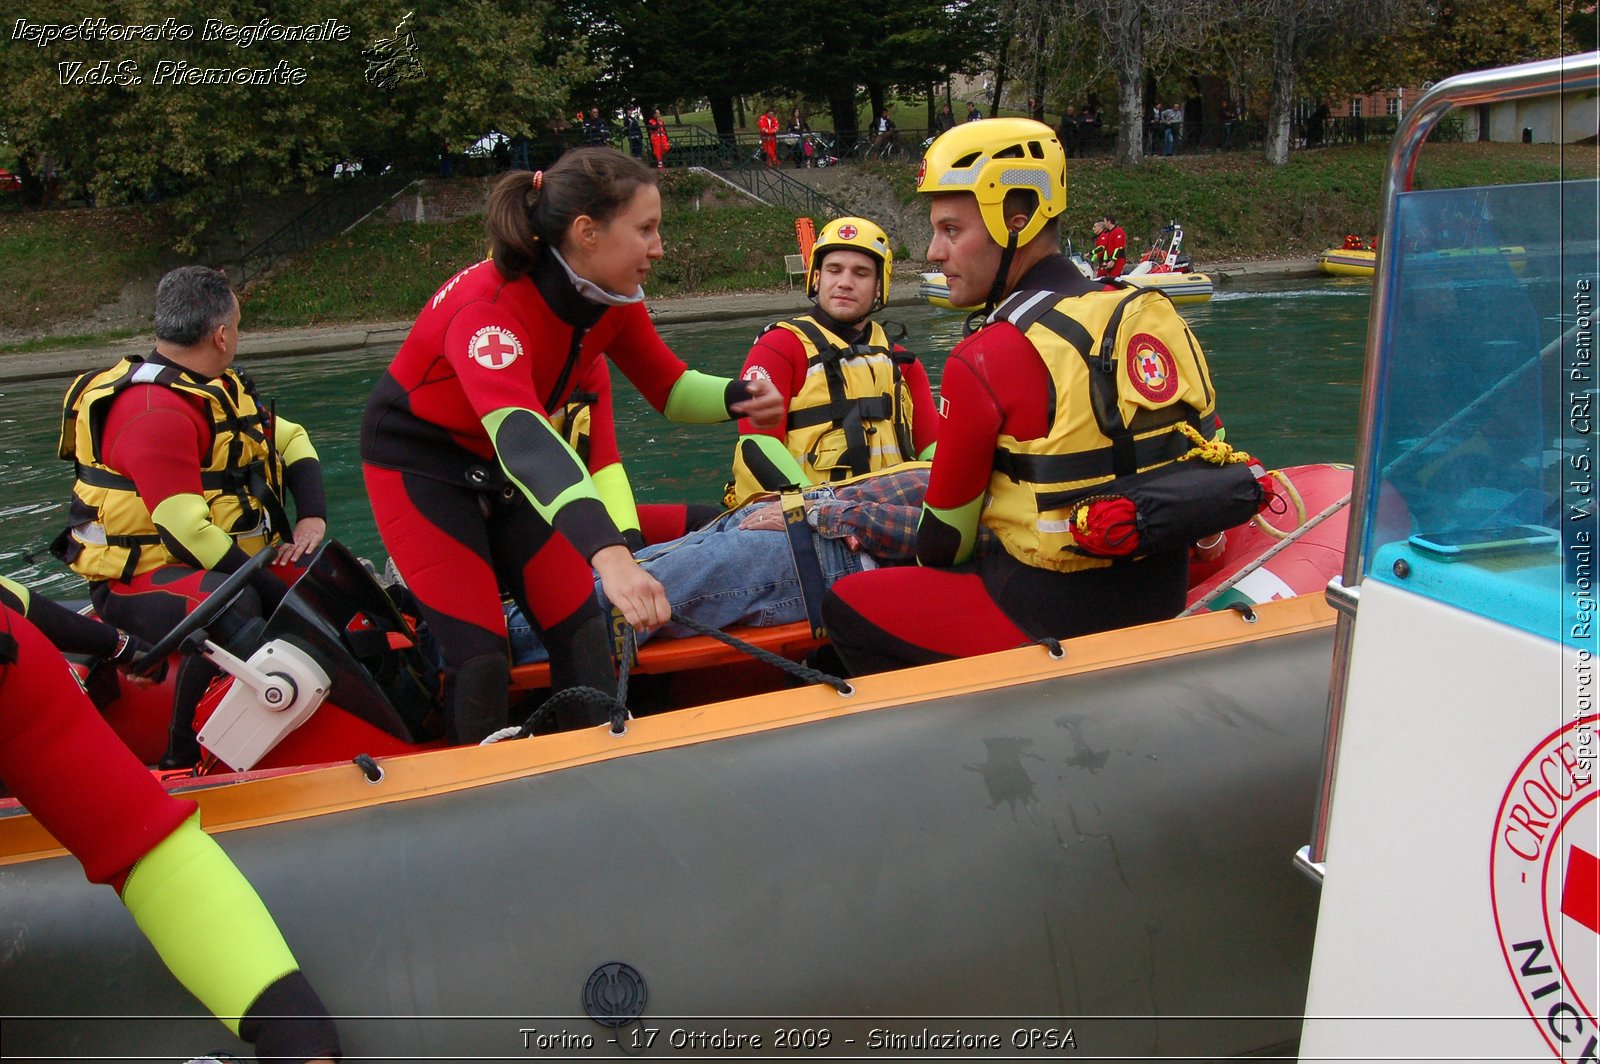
[
  {"x": 1544, "y": 882},
  {"x": 494, "y": 348},
  {"x": 758, "y": 372}
]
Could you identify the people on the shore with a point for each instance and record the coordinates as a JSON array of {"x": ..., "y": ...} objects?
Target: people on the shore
[
  {"x": 181, "y": 473},
  {"x": 67, "y": 767},
  {"x": 767, "y": 125},
  {"x": 854, "y": 400},
  {"x": 474, "y": 490},
  {"x": 632, "y": 132},
  {"x": 660, "y": 142},
  {"x": 800, "y": 130},
  {"x": 882, "y": 134},
  {"x": 1036, "y": 441}
]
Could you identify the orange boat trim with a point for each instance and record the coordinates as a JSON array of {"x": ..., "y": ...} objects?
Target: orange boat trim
[{"x": 280, "y": 798}]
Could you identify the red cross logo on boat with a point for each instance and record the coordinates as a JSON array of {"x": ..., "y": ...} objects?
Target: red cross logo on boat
[
  {"x": 1544, "y": 885},
  {"x": 494, "y": 348},
  {"x": 1151, "y": 369}
]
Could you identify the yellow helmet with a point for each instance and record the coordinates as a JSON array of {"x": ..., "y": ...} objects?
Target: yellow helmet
[
  {"x": 993, "y": 157},
  {"x": 857, "y": 234}
]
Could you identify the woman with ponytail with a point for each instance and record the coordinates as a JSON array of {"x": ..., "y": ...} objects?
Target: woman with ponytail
[{"x": 469, "y": 440}]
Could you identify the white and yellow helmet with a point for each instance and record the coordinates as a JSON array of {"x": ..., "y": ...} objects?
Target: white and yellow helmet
[
  {"x": 857, "y": 234},
  {"x": 993, "y": 157}
]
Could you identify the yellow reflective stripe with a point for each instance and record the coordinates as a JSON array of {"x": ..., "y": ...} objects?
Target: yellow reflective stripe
[
  {"x": 207, "y": 923},
  {"x": 187, "y": 519}
]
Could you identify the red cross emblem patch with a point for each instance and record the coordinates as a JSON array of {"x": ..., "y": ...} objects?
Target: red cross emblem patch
[
  {"x": 1151, "y": 368},
  {"x": 1544, "y": 884},
  {"x": 848, "y": 232},
  {"x": 494, "y": 348}
]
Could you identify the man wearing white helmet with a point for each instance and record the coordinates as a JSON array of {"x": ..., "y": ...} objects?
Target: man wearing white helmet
[
  {"x": 855, "y": 401},
  {"x": 1061, "y": 420}
]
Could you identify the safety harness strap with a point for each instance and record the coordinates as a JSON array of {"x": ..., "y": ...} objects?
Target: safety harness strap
[{"x": 807, "y": 567}]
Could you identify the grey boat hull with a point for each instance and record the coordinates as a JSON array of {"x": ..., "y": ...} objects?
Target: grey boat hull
[{"x": 1108, "y": 853}]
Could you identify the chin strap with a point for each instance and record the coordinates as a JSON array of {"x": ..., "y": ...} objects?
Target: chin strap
[{"x": 976, "y": 319}]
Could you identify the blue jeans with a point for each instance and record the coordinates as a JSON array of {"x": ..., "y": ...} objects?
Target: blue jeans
[{"x": 719, "y": 575}]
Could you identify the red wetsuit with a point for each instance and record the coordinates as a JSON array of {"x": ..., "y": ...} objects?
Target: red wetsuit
[
  {"x": 458, "y": 529},
  {"x": 768, "y": 125},
  {"x": 160, "y": 438},
  {"x": 1110, "y": 254},
  {"x": 61, "y": 760},
  {"x": 995, "y": 381}
]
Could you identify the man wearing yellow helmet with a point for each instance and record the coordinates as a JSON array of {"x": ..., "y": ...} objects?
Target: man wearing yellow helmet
[
  {"x": 854, "y": 400},
  {"x": 1057, "y": 415}
]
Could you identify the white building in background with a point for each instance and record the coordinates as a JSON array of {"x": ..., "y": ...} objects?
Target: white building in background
[{"x": 1546, "y": 120}]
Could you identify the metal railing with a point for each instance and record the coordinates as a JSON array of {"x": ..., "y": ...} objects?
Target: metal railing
[
  {"x": 776, "y": 188},
  {"x": 350, "y": 200}
]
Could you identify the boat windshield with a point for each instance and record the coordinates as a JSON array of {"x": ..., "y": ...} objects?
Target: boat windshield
[{"x": 1486, "y": 420}]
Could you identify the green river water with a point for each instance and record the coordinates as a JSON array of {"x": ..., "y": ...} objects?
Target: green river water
[{"x": 1286, "y": 358}]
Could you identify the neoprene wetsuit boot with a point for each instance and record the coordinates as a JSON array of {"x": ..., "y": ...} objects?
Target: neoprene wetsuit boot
[
  {"x": 580, "y": 656},
  {"x": 475, "y": 698}
]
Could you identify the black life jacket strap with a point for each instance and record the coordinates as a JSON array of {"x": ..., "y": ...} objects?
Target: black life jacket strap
[{"x": 807, "y": 567}]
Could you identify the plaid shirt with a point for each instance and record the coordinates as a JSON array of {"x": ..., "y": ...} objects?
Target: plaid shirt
[{"x": 880, "y": 512}]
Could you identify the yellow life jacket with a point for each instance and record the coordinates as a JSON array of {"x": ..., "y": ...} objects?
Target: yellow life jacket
[
  {"x": 1125, "y": 374},
  {"x": 573, "y": 422},
  {"x": 851, "y": 416},
  {"x": 111, "y": 535}
]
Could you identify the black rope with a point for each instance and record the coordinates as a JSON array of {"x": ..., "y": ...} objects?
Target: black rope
[
  {"x": 580, "y": 695},
  {"x": 1053, "y": 645},
  {"x": 795, "y": 669},
  {"x": 369, "y": 768},
  {"x": 1245, "y": 610}
]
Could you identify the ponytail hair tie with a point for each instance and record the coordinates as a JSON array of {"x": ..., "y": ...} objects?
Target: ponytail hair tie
[{"x": 538, "y": 180}]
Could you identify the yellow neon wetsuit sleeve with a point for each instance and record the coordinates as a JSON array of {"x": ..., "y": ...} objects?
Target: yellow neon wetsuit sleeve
[
  {"x": 698, "y": 399},
  {"x": 770, "y": 462},
  {"x": 20, "y": 593},
  {"x": 948, "y": 537},
  {"x": 184, "y": 522},
  {"x": 617, "y": 493},
  {"x": 291, "y": 441},
  {"x": 207, "y": 923},
  {"x": 550, "y": 476}
]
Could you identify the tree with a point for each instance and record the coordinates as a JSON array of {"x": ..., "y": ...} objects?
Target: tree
[
  {"x": 1440, "y": 38},
  {"x": 1135, "y": 36},
  {"x": 210, "y": 121},
  {"x": 684, "y": 49},
  {"x": 1297, "y": 29}
]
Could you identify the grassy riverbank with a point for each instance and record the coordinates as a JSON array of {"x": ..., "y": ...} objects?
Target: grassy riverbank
[{"x": 71, "y": 274}]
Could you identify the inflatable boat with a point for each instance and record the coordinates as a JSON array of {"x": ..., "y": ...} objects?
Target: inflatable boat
[
  {"x": 1051, "y": 832},
  {"x": 1347, "y": 262}
]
